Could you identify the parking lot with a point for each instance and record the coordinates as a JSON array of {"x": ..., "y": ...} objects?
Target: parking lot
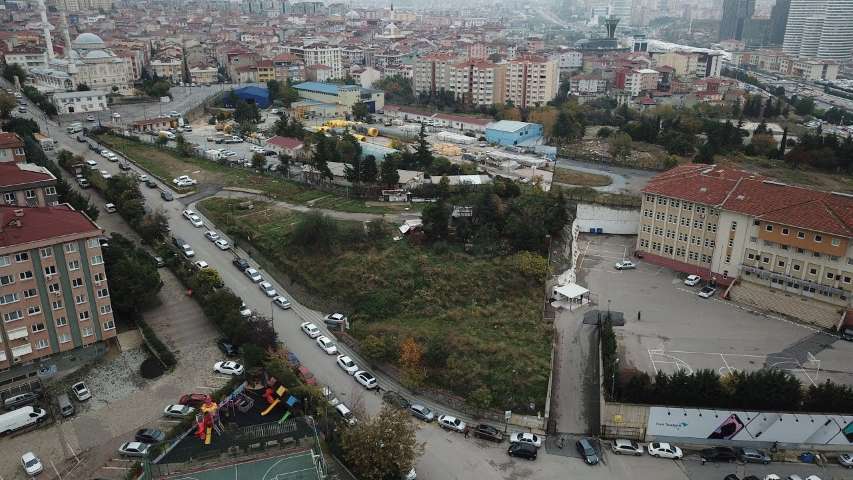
[{"x": 668, "y": 327}]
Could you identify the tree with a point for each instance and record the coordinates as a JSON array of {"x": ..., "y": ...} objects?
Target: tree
[
  {"x": 411, "y": 355},
  {"x": 349, "y": 151},
  {"x": 153, "y": 227},
  {"x": 383, "y": 447},
  {"x": 134, "y": 279},
  {"x": 284, "y": 164},
  {"x": 619, "y": 145},
  {"x": 828, "y": 397},
  {"x": 182, "y": 146},
  {"x": 14, "y": 70},
  {"x": 780, "y": 154},
  {"x": 480, "y": 399},
  {"x": 423, "y": 155},
  {"x": 388, "y": 174},
  {"x": 7, "y": 105},
  {"x": 259, "y": 161},
  {"x": 360, "y": 112},
  {"x": 804, "y": 106},
  {"x": 764, "y": 144},
  {"x": 435, "y": 220},
  {"x": 369, "y": 172}
]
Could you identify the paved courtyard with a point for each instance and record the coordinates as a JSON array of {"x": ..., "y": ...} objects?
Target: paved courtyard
[{"x": 668, "y": 327}]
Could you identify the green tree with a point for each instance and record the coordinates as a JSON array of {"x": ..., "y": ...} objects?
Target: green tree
[
  {"x": 369, "y": 171},
  {"x": 153, "y": 227},
  {"x": 7, "y": 105},
  {"x": 780, "y": 154},
  {"x": 480, "y": 399},
  {"x": 828, "y": 397},
  {"x": 423, "y": 155},
  {"x": 284, "y": 161},
  {"x": 315, "y": 231},
  {"x": 764, "y": 144},
  {"x": 360, "y": 112},
  {"x": 435, "y": 219},
  {"x": 388, "y": 174},
  {"x": 259, "y": 161},
  {"x": 383, "y": 447},
  {"x": 14, "y": 70},
  {"x": 619, "y": 145},
  {"x": 134, "y": 279},
  {"x": 182, "y": 146},
  {"x": 804, "y": 106}
]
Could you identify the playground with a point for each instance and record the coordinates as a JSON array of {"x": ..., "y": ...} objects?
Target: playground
[{"x": 299, "y": 466}]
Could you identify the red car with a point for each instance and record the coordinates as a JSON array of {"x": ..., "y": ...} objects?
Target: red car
[
  {"x": 306, "y": 375},
  {"x": 195, "y": 400}
]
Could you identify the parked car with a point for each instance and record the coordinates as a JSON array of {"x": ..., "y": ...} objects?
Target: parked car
[
  {"x": 306, "y": 375},
  {"x": 222, "y": 244},
  {"x": 211, "y": 235},
  {"x": 166, "y": 195},
  {"x": 664, "y": 450},
  {"x": 81, "y": 392},
  {"x": 366, "y": 379},
  {"x": 17, "y": 401},
  {"x": 488, "y": 432},
  {"x": 253, "y": 275},
  {"x": 347, "y": 364},
  {"x": 90, "y": 118},
  {"x": 718, "y": 454},
  {"x": 110, "y": 208},
  {"x": 753, "y": 455},
  {"x": 522, "y": 450},
  {"x": 335, "y": 319},
  {"x": 228, "y": 368},
  {"x": 327, "y": 345},
  {"x": 149, "y": 435},
  {"x": 449, "y": 422},
  {"x": 187, "y": 250},
  {"x": 116, "y": 115},
  {"x": 626, "y": 447},
  {"x": 31, "y": 463},
  {"x": 268, "y": 289},
  {"x": 228, "y": 348},
  {"x": 310, "y": 329},
  {"x": 281, "y": 302},
  {"x": 178, "y": 411},
  {"x": 625, "y": 265},
  {"x": 421, "y": 412},
  {"x": 587, "y": 451},
  {"x": 241, "y": 263},
  {"x": 692, "y": 280},
  {"x": 201, "y": 265},
  {"x": 526, "y": 437},
  {"x": 194, "y": 399},
  {"x": 346, "y": 414},
  {"x": 845, "y": 460},
  {"x": 134, "y": 449},
  {"x": 194, "y": 219},
  {"x": 707, "y": 291}
]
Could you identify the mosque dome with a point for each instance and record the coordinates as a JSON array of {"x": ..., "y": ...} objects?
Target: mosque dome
[{"x": 88, "y": 41}]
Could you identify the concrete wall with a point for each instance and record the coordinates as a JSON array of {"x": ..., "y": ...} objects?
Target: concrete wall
[{"x": 619, "y": 221}]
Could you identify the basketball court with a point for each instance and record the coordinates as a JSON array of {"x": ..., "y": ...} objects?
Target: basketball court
[
  {"x": 671, "y": 361},
  {"x": 302, "y": 466}
]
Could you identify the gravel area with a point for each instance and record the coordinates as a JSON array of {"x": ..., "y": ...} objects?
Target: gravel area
[{"x": 109, "y": 380}]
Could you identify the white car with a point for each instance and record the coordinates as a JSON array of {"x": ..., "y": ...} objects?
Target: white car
[
  {"x": 81, "y": 392},
  {"x": 106, "y": 175},
  {"x": 707, "y": 291},
  {"x": 692, "y": 280},
  {"x": 228, "y": 368},
  {"x": 347, "y": 364},
  {"x": 327, "y": 345},
  {"x": 201, "y": 265},
  {"x": 366, "y": 379},
  {"x": 626, "y": 447},
  {"x": 245, "y": 311},
  {"x": 134, "y": 449},
  {"x": 31, "y": 463},
  {"x": 142, "y": 178},
  {"x": 178, "y": 411},
  {"x": 451, "y": 423},
  {"x": 222, "y": 244},
  {"x": 90, "y": 118},
  {"x": 526, "y": 437},
  {"x": 310, "y": 329},
  {"x": 664, "y": 450},
  {"x": 772, "y": 476},
  {"x": 116, "y": 115},
  {"x": 268, "y": 289},
  {"x": 845, "y": 460},
  {"x": 625, "y": 265},
  {"x": 187, "y": 250},
  {"x": 106, "y": 153},
  {"x": 91, "y": 163},
  {"x": 253, "y": 275},
  {"x": 282, "y": 302},
  {"x": 210, "y": 234},
  {"x": 184, "y": 181}
]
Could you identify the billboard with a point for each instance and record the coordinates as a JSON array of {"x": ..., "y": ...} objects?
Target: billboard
[{"x": 743, "y": 426}]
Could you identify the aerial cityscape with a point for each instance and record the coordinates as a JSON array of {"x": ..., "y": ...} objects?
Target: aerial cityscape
[{"x": 409, "y": 239}]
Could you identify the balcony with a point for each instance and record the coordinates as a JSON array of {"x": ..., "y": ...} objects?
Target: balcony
[
  {"x": 17, "y": 333},
  {"x": 22, "y": 350}
]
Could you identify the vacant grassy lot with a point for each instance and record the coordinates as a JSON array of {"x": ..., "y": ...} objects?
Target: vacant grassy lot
[
  {"x": 166, "y": 164},
  {"x": 477, "y": 320},
  {"x": 570, "y": 176}
]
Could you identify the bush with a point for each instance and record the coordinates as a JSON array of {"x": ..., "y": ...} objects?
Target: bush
[{"x": 160, "y": 349}]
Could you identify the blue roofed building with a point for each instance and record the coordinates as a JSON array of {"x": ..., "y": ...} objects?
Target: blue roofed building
[
  {"x": 342, "y": 96},
  {"x": 260, "y": 96},
  {"x": 513, "y": 133}
]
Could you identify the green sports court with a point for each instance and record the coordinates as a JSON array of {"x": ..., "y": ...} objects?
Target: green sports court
[{"x": 301, "y": 466}]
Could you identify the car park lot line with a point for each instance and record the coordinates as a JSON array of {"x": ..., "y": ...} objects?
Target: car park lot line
[{"x": 661, "y": 357}]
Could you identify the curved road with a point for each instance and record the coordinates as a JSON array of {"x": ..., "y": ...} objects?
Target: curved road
[{"x": 623, "y": 180}]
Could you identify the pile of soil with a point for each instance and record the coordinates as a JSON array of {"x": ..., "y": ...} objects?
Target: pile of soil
[{"x": 151, "y": 368}]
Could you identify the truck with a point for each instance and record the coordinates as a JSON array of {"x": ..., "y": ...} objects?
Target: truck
[
  {"x": 45, "y": 142},
  {"x": 20, "y": 418},
  {"x": 168, "y": 135},
  {"x": 74, "y": 127}
]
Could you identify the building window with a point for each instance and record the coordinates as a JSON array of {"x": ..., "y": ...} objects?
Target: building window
[
  {"x": 80, "y": 299},
  {"x": 34, "y": 310},
  {"x": 30, "y": 194},
  {"x": 9, "y": 197},
  {"x": 50, "y": 270},
  {"x": 846, "y": 279},
  {"x": 750, "y": 256},
  {"x": 84, "y": 315},
  {"x": 88, "y": 331},
  {"x": 781, "y": 263},
  {"x": 50, "y": 190},
  {"x": 74, "y": 265},
  {"x": 109, "y": 325},
  {"x": 92, "y": 243},
  {"x": 30, "y": 293},
  {"x": 784, "y": 231},
  {"x": 97, "y": 260},
  {"x": 22, "y": 257},
  {"x": 765, "y": 260},
  {"x": 64, "y": 338},
  {"x": 37, "y": 327},
  {"x": 56, "y": 304},
  {"x": 77, "y": 282},
  {"x": 41, "y": 344},
  {"x": 816, "y": 254},
  {"x": 100, "y": 277},
  {"x": 801, "y": 235},
  {"x": 7, "y": 280},
  {"x": 769, "y": 227},
  {"x": 26, "y": 275},
  {"x": 12, "y": 316},
  {"x": 796, "y": 267},
  {"x": 836, "y": 242},
  {"x": 46, "y": 252},
  {"x": 734, "y": 226},
  {"x": 103, "y": 292},
  {"x": 105, "y": 309},
  {"x": 818, "y": 238},
  {"x": 70, "y": 247},
  {"x": 753, "y": 239},
  {"x": 812, "y": 271},
  {"x": 4, "y": 261},
  {"x": 61, "y": 321}
]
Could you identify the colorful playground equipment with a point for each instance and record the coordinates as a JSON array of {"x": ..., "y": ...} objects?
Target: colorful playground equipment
[
  {"x": 274, "y": 394},
  {"x": 208, "y": 420}
]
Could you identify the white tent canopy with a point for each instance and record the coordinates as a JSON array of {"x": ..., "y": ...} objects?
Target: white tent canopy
[{"x": 570, "y": 291}]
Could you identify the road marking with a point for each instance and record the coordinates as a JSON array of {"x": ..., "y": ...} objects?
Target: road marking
[
  {"x": 726, "y": 364},
  {"x": 115, "y": 468}
]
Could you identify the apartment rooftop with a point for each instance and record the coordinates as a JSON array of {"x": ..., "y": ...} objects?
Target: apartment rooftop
[
  {"x": 23, "y": 225},
  {"x": 14, "y": 174}
]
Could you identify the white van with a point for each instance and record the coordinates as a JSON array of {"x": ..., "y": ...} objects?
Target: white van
[
  {"x": 345, "y": 413},
  {"x": 168, "y": 135},
  {"x": 20, "y": 418}
]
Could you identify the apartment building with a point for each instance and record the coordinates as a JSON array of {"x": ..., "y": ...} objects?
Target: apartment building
[
  {"x": 478, "y": 82},
  {"x": 11, "y": 148},
  {"x": 320, "y": 54},
  {"x": 432, "y": 72},
  {"x": 54, "y": 297},
  {"x": 26, "y": 184},
  {"x": 789, "y": 246},
  {"x": 27, "y": 57},
  {"x": 531, "y": 81},
  {"x": 204, "y": 75},
  {"x": 171, "y": 69}
]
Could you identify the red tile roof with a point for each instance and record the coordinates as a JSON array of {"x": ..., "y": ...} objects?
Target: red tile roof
[
  {"x": 14, "y": 174},
  {"x": 10, "y": 140},
  {"x": 43, "y": 223},
  {"x": 756, "y": 196},
  {"x": 285, "y": 142}
]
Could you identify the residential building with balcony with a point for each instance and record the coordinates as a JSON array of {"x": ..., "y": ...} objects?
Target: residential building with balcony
[
  {"x": 11, "y": 148},
  {"x": 788, "y": 248},
  {"x": 478, "y": 82},
  {"x": 27, "y": 184},
  {"x": 54, "y": 296},
  {"x": 531, "y": 81},
  {"x": 432, "y": 72}
]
